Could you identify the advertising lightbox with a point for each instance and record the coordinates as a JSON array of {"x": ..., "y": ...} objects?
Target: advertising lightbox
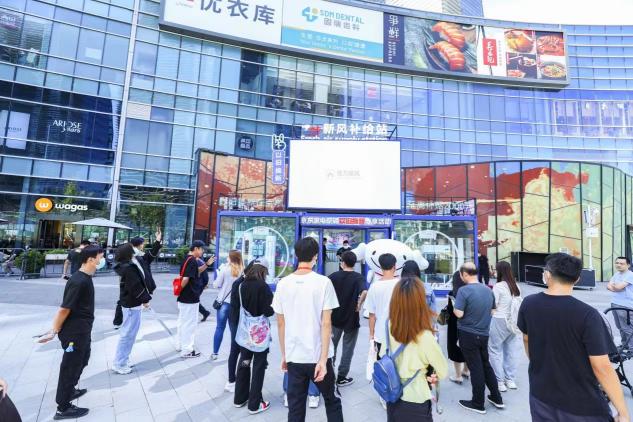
[
  {"x": 344, "y": 175},
  {"x": 454, "y": 47}
]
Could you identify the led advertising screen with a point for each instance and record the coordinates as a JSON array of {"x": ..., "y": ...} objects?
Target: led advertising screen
[
  {"x": 452, "y": 48},
  {"x": 344, "y": 175}
]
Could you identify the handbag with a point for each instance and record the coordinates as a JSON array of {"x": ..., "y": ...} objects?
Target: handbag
[
  {"x": 218, "y": 304},
  {"x": 253, "y": 333},
  {"x": 177, "y": 282},
  {"x": 443, "y": 316}
]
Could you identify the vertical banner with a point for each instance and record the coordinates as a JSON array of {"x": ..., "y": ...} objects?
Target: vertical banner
[
  {"x": 393, "y": 39},
  {"x": 279, "y": 159}
]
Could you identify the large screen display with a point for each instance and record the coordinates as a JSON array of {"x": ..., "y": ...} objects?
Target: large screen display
[
  {"x": 344, "y": 175},
  {"x": 454, "y": 47}
]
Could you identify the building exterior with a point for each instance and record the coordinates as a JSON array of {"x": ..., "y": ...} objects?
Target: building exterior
[{"x": 103, "y": 112}]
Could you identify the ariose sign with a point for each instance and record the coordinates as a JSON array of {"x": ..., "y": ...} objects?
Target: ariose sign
[{"x": 452, "y": 47}]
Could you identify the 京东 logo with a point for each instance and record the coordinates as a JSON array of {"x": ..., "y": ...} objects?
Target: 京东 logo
[{"x": 310, "y": 14}]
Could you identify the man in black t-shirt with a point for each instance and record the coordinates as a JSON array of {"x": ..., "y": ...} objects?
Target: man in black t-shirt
[
  {"x": 73, "y": 260},
  {"x": 73, "y": 324},
  {"x": 350, "y": 290},
  {"x": 568, "y": 345},
  {"x": 189, "y": 299}
]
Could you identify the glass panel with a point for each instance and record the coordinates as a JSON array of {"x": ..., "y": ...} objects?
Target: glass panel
[
  {"x": 269, "y": 237},
  {"x": 607, "y": 223},
  {"x": 536, "y": 192},
  {"x": 565, "y": 209},
  {"x": 508, "y": 188},
  {"x": 90, "y": 47},
  {"x": 445, "y": 244}
]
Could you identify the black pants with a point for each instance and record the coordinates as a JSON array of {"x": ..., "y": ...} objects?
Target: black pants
[
  {"x": 202, "y": 309},
  {"x": 299, "y": 376},
  {"x": 118, "y": 314},
  {"x": 406, "y": 411},
  {"x": 8, "y": 412},
  {"x": 74, "y": 360},
  {"x": 234, "y": 354},
  {"x": 475, "y": 350},
  {"x": 485, "y": 276},
  {"x": 542, "y": 412},
  {"x": 245, "y": 387}
]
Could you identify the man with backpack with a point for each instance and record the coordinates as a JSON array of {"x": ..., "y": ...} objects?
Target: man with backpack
[
  {"x": 473, "y": 306},
  {"x": 73, "y": 260},
  {"x": 189, "y": 298},
  {"x": 303, "y": 303}
]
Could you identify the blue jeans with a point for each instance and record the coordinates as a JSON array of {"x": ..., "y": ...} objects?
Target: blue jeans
[
  {"x": 313, "y": 390},
  {"x": 127, "y": 336},
  {"x": 223, "y": 316}
]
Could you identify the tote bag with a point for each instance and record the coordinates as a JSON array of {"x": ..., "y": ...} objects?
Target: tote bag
[{"x": 253, "y": 333}]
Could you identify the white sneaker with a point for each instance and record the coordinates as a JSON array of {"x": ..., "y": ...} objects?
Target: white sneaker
[
  {"x": 511, "y": 385},
  {"x": 214, "y": 356},
  {"x": 313, "y": 402},
  {"x": 122, "y": 371},
  {"x": 502, "y": 387},
  {"x": 229, "y": 387},
  {"x": 285, "y": 400}
]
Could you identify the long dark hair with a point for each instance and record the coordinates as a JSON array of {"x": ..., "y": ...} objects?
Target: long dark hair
[
  {"x": 124, "y": 253},
  {"x": 256, "y": 272},
  {"x": 504, "y": 273},
  {"x": 411, "y": 269}
]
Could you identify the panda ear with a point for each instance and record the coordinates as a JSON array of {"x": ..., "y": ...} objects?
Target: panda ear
[
  {"x": 419, "y": 259},
  {"x": 360, "y": 251}
]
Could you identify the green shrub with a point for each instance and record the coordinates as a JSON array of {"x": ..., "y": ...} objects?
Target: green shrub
[
  {"x": 33, "y": 261},
  {"x": 181, "y": 253},
  {"x": 56, "y": 252}
]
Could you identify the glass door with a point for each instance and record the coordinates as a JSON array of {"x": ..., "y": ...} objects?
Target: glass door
[{"x": 317, "y": 234}]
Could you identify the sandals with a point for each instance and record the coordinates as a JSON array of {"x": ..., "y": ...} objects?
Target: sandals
[{"x": 456, "y": 380}]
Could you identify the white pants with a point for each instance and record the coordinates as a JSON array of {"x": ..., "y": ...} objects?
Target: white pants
[
  {"x": 503, "y": 350},
  {"x": 187, "y": 323}
]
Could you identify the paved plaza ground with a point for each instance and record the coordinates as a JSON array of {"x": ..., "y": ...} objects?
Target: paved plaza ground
[{"x": 165, "y": 387}]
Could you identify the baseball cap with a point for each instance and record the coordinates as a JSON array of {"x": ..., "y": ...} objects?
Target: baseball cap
[
  {"x": 137, "y": 241},
  {"x": 198, "y": 244}
]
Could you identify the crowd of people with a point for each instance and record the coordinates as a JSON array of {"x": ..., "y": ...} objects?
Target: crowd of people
[{"x": 566, "y": 341}]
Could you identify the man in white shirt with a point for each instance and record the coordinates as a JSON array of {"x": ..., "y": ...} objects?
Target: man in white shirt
[
  {"x": 303, "y": 303},
  {"x": 379, "y": 298},
  {"x": 621, "y": 284}
]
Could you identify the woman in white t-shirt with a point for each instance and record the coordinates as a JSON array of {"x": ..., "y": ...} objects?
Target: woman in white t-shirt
[{"x": 503, "y": 345}]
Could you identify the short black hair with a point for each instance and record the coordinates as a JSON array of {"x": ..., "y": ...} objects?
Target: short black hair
[
  {"x": 89, "y": 252},
  {"x": 628, "y": 261},
  {"x": 411, "y": 269},
  {"x": 124, "y": 253},
  {"x": 137, "y": 241},
  {"x": 349, "y": 258},
  {"x": 306, "y": 248},
  {"x": 346, "y": 241},
  {"x": 325, "y": 239},
  {"x": 197, "y": 244},
  {"x": 564, "y": 267},
  {"x": 387, "y": 261},
  {"x": 85, "y": 242}
]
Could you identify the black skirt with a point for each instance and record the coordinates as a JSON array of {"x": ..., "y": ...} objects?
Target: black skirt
[
  {"x": 8, "y": 412},
  {"x": 454, "y": 352}
]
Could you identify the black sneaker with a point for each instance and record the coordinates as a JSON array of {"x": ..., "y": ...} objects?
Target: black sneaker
[
  {"x": 205, "y": 316},
  {"x": 467, "y": 404},
  {"x": 240, "y": 405},
  {"x": 73, "y": 412},
  {"x": 78, "y": 393},
  {"x": 193, "y": 354},
  {"x": 343, "y": 382},
  {"x": 496, "y": 403}
]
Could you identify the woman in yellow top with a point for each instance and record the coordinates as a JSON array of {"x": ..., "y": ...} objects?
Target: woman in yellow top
[{"x": 411, "y": 324}]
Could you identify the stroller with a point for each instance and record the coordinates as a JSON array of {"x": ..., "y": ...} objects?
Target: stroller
[{"x": 622, "y": 353}]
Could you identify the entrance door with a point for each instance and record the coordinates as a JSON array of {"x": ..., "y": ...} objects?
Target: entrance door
[
  {"x": 375, "y": 234},
  {"x": 335, "y": 239},
  {"x": 49, "y": 234}
]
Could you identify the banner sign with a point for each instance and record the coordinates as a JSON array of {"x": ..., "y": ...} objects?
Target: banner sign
[
  {"x": 310, "y": 220},
  {"x": 346, "y": 132},
  {"x": 453, "y": 47},
  {"x": 333, "y": 28},
  {"x": 453, "y": 208},
  {"x": 279, "y": 159}
]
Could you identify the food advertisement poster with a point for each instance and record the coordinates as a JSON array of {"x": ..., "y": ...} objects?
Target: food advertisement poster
[
  {"x": 452, "y": 47},
  {"x": 333, "y": 28}
]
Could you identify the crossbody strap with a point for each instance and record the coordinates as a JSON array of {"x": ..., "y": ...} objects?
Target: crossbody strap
[
  {"x": 397, "y": 353},
  {"x": 182, "y": 270}
]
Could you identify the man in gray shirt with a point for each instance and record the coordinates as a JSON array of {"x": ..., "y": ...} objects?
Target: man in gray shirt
[
  {"x": 473, "y": 307},
  {"x": 621, "y": 284}
]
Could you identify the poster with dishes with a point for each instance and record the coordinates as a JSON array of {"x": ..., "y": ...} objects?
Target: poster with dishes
[
  {"x": 520, "y": 53},
  {"x": 440, "y": 45},
  {"x": 550, "y": 50}
]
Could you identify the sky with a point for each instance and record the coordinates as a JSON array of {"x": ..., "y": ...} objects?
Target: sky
[{"x": 579, "y": 12}]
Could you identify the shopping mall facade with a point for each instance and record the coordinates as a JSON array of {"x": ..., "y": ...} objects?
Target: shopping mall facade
[{"x": 110, "y": 113}]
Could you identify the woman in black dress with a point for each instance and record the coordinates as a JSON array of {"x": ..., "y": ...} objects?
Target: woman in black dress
[{"x": 454, "y": 352}]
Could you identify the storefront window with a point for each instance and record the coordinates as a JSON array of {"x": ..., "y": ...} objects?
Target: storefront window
[
  {"x": 508, "y": 188},
  {"x": 565, "y": 209},
  {"x": 536, "y": 197}
]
